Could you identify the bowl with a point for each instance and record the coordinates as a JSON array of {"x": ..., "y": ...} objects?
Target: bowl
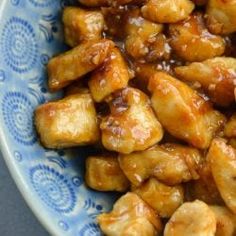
[{"x": 51, "y": 181}]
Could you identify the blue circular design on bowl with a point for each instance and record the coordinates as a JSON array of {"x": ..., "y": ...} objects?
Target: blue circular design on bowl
[
  {"x": 77, "y": 181},
  {"x": 2, "y": 75},
  {"x": 63, "y": 225},
  {"x": 44, "y": 59},
  {"x": 18, "y": 45},
  {"x": 15, "y": 2},
  {"x": 17, "y": 112},
  {"x": 53, "y": 188},
  {"x": 90, "y": 229},
  {"x": 42, "y": 3},
  {"x": 18, "y": 156}
]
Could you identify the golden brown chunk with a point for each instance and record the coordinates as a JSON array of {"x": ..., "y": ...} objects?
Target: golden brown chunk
[
  {"x": 72, "y": 65},
  {"x": 167, "y": 11},
  {"x": 103, "y": 173},
  {"x": 221, "y": 16},
  {"x": 225, "y": 221},
  {"x": 222, "y": 159},
  {"x": 68, "y": 122},
  {"x": 81, "y": 25},
  {"x": 143, "y": 40},
  {"x": 144, "y": 71},
  {"x": 159, "y": 49},
  {"x": 182, "y": 111},
  {"x": 169, "y": 163},
  {"x": 192, "y": 218},
  {"x": 162, "y": 198},
  {"x": 130, "y": 216},
  {"x": 217, "y": 76},
  {"x": 132, "y": 125},
  {"x": 191, "y": 40},
  {"x": 111, "y": 76},
  {"x": 230, "y": 127}
]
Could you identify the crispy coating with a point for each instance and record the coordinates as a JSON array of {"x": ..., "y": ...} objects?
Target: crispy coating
[
  {"x": 82, "y": 25},
  {"x": 217, "y": 76},
  {"x": 225, "y": 221},
  {"x": 167, "y": 11},
  {"x": 68, "y": 122},
  {"x": 221, "y": 16},
  {"x": 222, "y": 159},
  {"x": 169, "y": 163},
  {"x": 162, "y": 198},
  {"x": 130, "y": 216},
  {"x": 142, "y": 39},
  {"x": 73, "y": 64},
  {"x": 182, "y": 112},
  {"x": 192, "y": 218},
  {"x": 159, "y": 49},
  {"x": 137, "y": 25},
  {"x": 191, "y": 40},
  {"x": 230, "y": 127},
  {"x": 103, "y": 173},
  {"x": 132, "y": 125},
  {"x": 111, "y": 76}
]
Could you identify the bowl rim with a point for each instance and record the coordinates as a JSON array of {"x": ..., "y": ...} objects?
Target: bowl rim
[
  {"x": 29, "y": 198},
  {"x": 23, "y": 189}
]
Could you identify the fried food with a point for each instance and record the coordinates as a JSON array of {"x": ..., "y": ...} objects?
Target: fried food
[
  {"x": 170, "y": 163},
  {"x": 192, "y": 218},
  {"x": 68, "y": 122},
  {"x": 182, "y": 112},
  {"x": 130, "y": 216},
  {"x": 132, "y": 124},
  {"x": 103, "y": 173}
]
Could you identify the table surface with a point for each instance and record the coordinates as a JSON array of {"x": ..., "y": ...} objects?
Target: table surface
[{"x": 16, "y": 219}]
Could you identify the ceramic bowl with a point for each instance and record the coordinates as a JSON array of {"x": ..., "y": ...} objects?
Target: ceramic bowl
[{"x": 51, "y": 181}]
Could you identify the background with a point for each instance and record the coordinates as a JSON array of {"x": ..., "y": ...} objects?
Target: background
[{"x": 16, "y": 219}]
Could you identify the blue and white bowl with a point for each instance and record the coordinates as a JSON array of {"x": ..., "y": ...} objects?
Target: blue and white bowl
[{"x": 51, "y": 181}]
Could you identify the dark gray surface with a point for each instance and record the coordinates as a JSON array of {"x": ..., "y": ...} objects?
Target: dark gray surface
[{"x": 16, "y": 219}]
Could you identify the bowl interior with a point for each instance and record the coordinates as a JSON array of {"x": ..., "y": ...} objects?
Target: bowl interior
[{"x": 51, "y": 181}]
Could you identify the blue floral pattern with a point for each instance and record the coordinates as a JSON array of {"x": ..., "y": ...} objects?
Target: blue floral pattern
[
  {"x": 18, "y": 156},
  {"x": 90, "y": 229},
  {"x": 18, "y": 45},
  {"x": 2, "y": 75},
  {"x": 53, "y": 188},
  {"x": 51, "y": 180},
  {"x": 42, "y": 3},
  {"x": 18, "y": 116}
]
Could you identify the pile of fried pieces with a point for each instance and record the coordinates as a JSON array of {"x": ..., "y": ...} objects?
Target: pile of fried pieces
[{"x": 152, "y": 85}]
